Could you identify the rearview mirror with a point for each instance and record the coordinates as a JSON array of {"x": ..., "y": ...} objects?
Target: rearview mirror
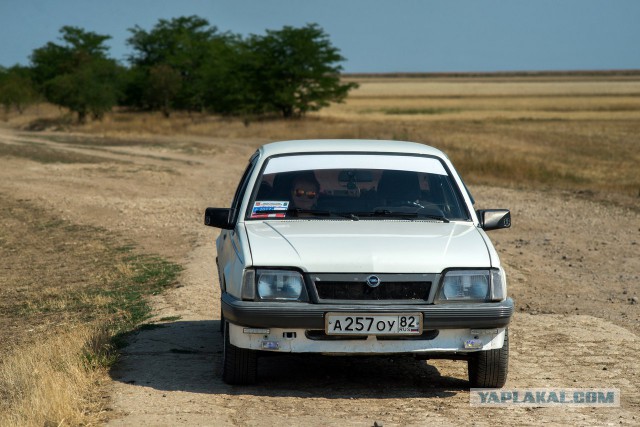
[
  {"x": 355, "y": 176},
  {"x": 218, "y": 217},
  {"x": 494, "y": 219}
]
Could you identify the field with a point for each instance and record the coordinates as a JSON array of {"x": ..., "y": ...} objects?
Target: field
[
  {"x": 579, "y": 133},
  {"x": 99, "y": 218}
]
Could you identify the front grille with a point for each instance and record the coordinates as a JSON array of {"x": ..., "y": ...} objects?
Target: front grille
[{"x": 360, "y": 291}]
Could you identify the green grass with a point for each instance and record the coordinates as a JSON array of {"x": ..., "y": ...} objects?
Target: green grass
[
  {"x": 152, "y": 276},
  {"x": 63, "y": 273},
  {"x": 170, "y": 318},
  {"x": 43, "y": 154},
  {"x": 127, "y": 306}
]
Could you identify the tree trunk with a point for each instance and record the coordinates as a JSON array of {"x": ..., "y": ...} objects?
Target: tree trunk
[{"x": 287, "y": 111}]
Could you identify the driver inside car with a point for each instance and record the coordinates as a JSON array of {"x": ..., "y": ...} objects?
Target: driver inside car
[{"x": 304, "y": 192}]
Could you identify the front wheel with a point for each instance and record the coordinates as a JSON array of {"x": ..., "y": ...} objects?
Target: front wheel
[
  {"x": 488, "y": 369},
  {"x": 239, "y": 365}
]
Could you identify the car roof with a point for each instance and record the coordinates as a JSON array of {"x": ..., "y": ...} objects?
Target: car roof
[{"x": 348, "y": 145}]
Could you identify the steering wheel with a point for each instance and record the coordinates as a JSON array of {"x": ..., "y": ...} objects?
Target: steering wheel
[{"x": 411, "y": 203}]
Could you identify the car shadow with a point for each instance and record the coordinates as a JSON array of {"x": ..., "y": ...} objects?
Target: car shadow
[{"x": 187, "y": 356}]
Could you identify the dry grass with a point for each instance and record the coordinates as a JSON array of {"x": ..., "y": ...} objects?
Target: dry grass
[
  {"x": 427, "y": 87},
  {"x": 54, "y": 382},
  {"x": 579, "y": 133},
  {"x": 491, "y": 99},
  {"x": 65, "y": 292}
]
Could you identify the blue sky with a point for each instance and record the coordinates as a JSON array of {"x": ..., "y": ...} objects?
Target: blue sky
[{"x": 374, "y": 35}]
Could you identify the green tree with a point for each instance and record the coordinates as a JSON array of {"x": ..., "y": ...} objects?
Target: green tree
[
  {"x": 186, "y": 64},
  {"x": 173, "y": 48},
  {"x": 225, "y": 75},
  {"x": 80, "y": 47},
  {"x": 164, "y": 84},
  {"x": 89, "y": 90},
  {"x": 295, "y": 70},
  {"x": 78, "y": 74},
  {"x": 17, "y": 89}
]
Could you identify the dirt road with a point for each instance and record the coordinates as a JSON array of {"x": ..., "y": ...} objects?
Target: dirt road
[{"x": 573, "y": 267}]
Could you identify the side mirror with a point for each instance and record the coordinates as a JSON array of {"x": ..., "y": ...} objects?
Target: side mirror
[
  {"x": 219, "y": 218},
  {"x": 494, "y": 219}
]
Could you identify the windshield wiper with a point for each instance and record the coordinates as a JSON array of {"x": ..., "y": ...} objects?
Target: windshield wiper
[
  {"x": 436, "y": 217},
  {"x": 396, "y": 214},
  {"x": 349, "y": 215},
  {"x": 298, "y": 211},
  {"x": 355, "y": 216},
  {"x": 386, "y": 212}
]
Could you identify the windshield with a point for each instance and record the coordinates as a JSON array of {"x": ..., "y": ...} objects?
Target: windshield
[{"x": 356, "y": 186}]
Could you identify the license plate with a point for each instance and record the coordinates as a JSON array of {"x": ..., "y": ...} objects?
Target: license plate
[{"x": 373, "y": 324}]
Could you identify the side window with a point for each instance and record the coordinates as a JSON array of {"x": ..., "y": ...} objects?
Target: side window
[{"x": 244, "y": 181}]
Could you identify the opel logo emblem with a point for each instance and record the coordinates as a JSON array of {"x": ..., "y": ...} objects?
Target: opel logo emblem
[{"x": 373, "y": 281}]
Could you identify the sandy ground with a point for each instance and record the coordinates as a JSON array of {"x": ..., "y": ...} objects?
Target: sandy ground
[{"x": 573, "y": 267}]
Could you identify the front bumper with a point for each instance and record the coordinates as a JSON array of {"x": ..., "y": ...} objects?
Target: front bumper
[
  {"x": 446, "y": 343},
  {"x": 311, "y": 316}
]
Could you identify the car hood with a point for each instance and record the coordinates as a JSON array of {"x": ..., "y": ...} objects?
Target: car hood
[{"x": 366, "y": 246}]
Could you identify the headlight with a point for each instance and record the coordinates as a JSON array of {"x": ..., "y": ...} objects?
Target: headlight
[
  {"x": 473, "y": 285},
  {"x": 280, "y": 285}
]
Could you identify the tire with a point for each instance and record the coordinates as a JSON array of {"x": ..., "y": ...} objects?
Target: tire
[
  {"x": 239, "y": 366},
  {"x": 488, "y": 369},
  {"x": 221, "y": 327}
]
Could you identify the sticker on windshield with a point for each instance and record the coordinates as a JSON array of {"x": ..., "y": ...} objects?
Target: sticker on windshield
[{"x": 269, "y": 209}]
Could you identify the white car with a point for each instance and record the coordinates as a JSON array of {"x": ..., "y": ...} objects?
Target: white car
[{"x": 359, "y": 247}]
